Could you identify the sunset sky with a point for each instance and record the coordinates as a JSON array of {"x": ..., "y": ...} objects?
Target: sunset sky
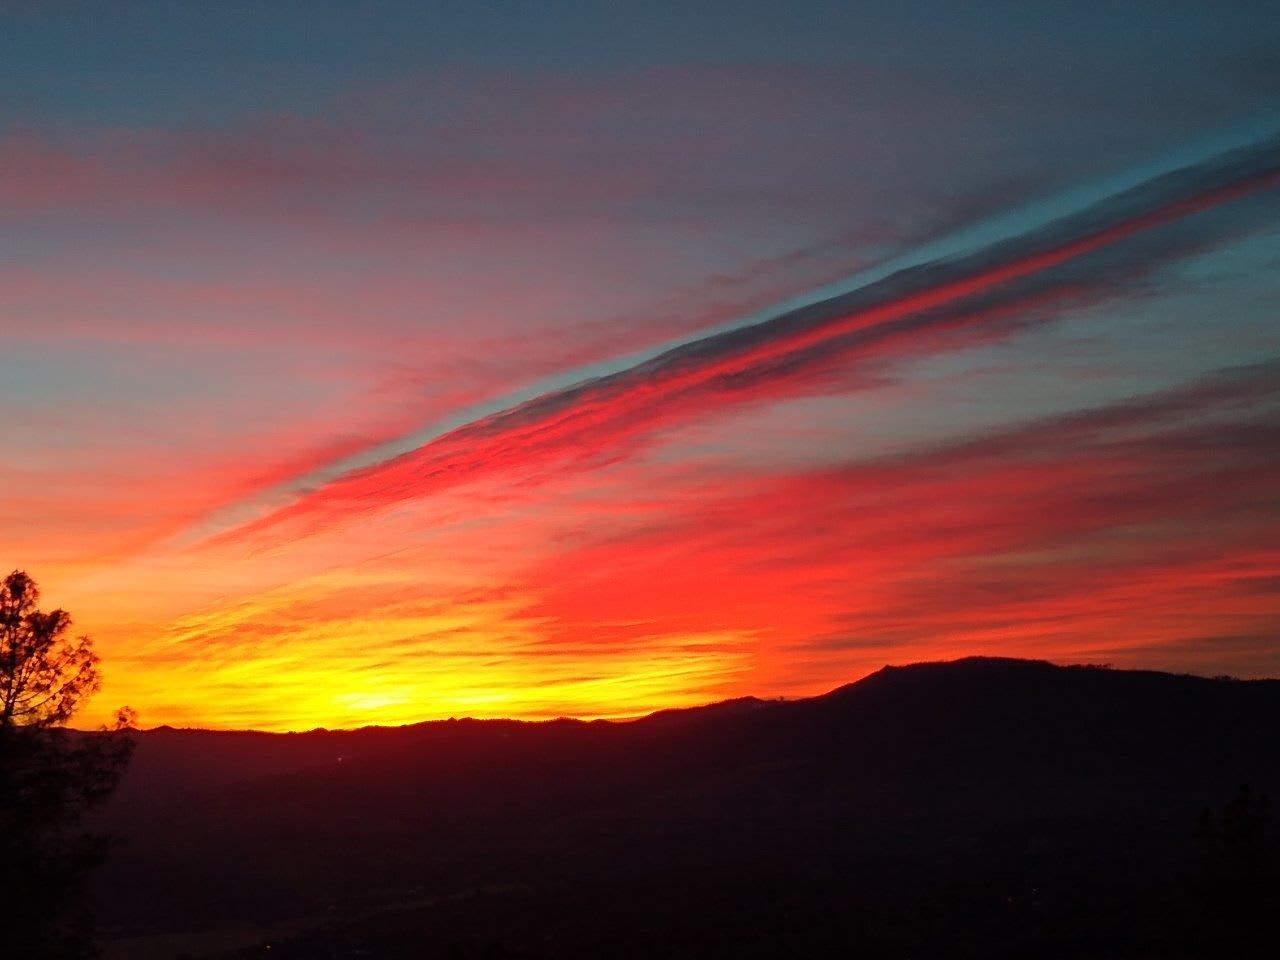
[{"x": 372, "y": 363}]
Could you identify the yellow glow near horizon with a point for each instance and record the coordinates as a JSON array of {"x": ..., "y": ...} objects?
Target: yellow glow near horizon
[{"x": 289, "y": 660}]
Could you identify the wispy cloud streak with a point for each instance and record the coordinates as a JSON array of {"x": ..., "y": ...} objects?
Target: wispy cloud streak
[
  {"x": 588, "y": 421},
  {"x": 1141, "y": 520}
]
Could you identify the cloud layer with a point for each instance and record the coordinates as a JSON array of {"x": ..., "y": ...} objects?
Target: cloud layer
[
  {"x": 546, "y": 360},
  {"x": 591, "y": 420}
]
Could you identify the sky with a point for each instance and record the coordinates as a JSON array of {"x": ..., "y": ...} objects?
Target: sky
[{"x": 386, "y": 362}]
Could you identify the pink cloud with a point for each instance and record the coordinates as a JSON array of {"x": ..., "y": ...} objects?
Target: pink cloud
[{"x": 594, "y": 421}]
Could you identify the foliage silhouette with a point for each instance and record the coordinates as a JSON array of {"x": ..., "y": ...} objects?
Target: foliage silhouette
[{"x": 49, "y": 776}]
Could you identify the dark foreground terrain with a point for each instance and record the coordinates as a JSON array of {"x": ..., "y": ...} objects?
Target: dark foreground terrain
[{"x": 982, "y": 808}]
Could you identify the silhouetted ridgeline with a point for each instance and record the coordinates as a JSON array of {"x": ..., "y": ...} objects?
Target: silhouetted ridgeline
[{"x": 978, "y": 808}]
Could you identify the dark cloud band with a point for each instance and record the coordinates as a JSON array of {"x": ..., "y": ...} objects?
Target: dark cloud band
[{"x": 592, "y": 419}]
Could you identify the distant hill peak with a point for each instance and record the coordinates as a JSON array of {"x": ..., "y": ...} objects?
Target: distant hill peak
[{"x": 970, "y": 668}]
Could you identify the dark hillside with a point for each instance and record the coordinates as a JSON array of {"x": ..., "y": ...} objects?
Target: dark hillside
[{"x": 975, "y": 808}]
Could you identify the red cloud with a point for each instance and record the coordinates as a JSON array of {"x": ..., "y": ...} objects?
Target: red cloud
[
  {"x": 594, "y": 420},
  {"x": 1142, "y": 524}
]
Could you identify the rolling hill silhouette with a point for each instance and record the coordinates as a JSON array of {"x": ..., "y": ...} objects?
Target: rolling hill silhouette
[{"x": 978, "y": 808}]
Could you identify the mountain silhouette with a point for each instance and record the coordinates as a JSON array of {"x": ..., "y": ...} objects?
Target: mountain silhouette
[{"x": 977, "y": 808}]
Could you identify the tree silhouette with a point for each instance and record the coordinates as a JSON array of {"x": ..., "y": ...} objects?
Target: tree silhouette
[
  {"x": 45, "y": 677},
  {"x": 49, "y": 777}
]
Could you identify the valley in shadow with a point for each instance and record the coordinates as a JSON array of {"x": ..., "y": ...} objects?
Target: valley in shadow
[{"x": 979, "y": 808}]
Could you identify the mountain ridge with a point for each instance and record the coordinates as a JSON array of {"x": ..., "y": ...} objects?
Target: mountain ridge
[
  {"x": 959, "y": 664},
  {"x": 989, "y": 775}
]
